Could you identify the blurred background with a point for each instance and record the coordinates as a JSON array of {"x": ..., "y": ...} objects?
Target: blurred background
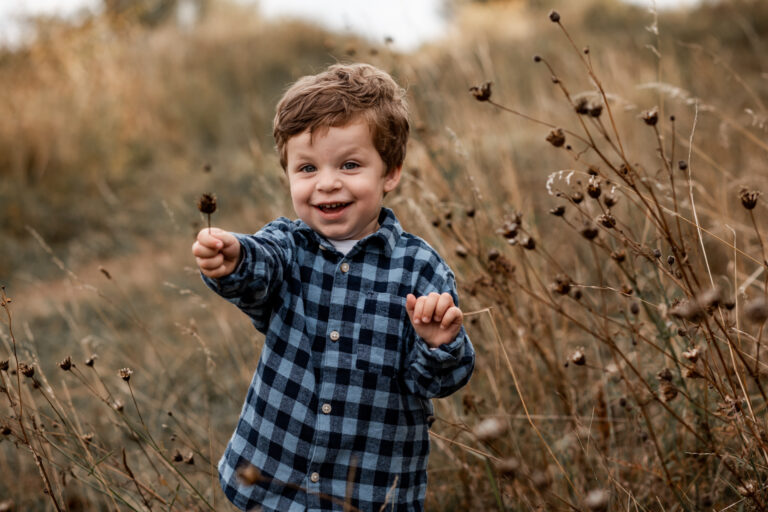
[{"x": 115, "y": 115}]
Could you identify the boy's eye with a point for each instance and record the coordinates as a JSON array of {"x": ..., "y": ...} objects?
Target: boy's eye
[
  {"x": 307, "y": 168},
  {"x": 350, "y": 165}
]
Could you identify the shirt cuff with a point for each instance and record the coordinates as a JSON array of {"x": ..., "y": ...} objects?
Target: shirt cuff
[{"x": 444, "y": 355}]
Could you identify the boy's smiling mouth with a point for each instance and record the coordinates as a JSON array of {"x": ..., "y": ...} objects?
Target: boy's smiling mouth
[{"x": 331, "y": 207}]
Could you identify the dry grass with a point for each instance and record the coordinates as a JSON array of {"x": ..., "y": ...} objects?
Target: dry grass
[{"x": 619, "y": 339}]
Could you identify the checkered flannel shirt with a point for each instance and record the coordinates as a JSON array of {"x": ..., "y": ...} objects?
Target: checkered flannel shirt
[{"x": 342, "y": 389}]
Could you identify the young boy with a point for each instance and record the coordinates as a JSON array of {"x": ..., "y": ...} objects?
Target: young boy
[{"x": 361, "y": 318}]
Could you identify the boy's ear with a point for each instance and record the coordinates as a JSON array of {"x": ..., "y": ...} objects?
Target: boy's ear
[{"x": 392, "y": 178}]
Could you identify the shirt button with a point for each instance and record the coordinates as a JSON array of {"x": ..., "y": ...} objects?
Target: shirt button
[
  {"x": 345, "y": 267},
  {"x": 327, "y": 408},
  {"x": 334, "y": 335},
  {"x": 315, "y": 477}
]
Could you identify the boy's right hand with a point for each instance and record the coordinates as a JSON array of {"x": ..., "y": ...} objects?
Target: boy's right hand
[{"x": 216, "y": 251}]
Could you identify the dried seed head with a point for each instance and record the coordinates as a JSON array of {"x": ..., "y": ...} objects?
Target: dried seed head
[
  {"x": 582, "y": 106},
  {"x": 470, "y": 212},
  {"x": 528, "y": 243},
  {"x": 664, "y": 375},
  {"x": 554, "y": 16},
  {"x": 125, "y": 374},
  {"x": 577, "y": 197},
  {"x": 598, "y": 500},
  {"x": 91, "y": 360},
  {"x": 562, "y": 284},
  {"x": 595, "y": 110},
  {"x": 461, "y": 251},
  {"x": 509, "y": 230},
  {"x": 493, "y": 254},
  {"x": 248, "y": 474},
  {"x": 610, "y": 200},
  {"x": 589, "y": 231},
  {"x": 749, "y": 198},
  {"x": 682, "y": 165},
  {"x": 619, "y": 256},
  {"x": 190, "y": 459},
  {"x": 4, "y": 365},
  {"x": 482, "y": 93},
  {"x": 710, "y": 298},
  {"x": 577, "y": 357},
  {"x": 667, "y": 391},
  {"x": 556, "y": 137},
  {"x": 756, "y": 310},
  {"x": 651, "y": 117},
  {"x": 5, "y": 430},
  {"x": 692, "y": 373},
  {"x": 656, "y": 253},
  {"x": 692, "y": 354},
  {"x": 536, "y": 58},
  {"x": 66, "y": 364},
  {"x": 508, "y": 467},
  {"x": 576, "y": 294},
  {"x": 670, "y": 260},
  {"x": 207, "y": 203},
  {"x": 105, "y": 272},
  {"x": 688, "y": 310},
  {"x": 26, "y": 370},
  {"x": 607, "y": 220},
  {"x": 87, "y": 437},
  {"x": 634, "y": 308},
  {"x": 558, "y": 211},
  {"x": 490, "y": 429},
  {"x": 593, "y": 188},
  {"x": 118, "y": 405},
  {"x": 177, "y": 456}
]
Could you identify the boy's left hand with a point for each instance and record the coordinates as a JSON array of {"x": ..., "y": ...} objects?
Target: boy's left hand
[{"x": 434, "y": 317}]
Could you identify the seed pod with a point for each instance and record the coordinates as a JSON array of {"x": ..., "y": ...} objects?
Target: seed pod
[
  {"x": 593, "y": 188},
  {"x": 91, "y": 360},
  {"x": 596, "y": 110},
  {"x": 578, "y": 358},
  {"x": 528, "y": 243},
  {"x": 556, "y": 137},
  {"x": 461, "y": 251},
  {"x": 756, "y": 310},
  {"x": 582, "y": 106},
  {"x": 493, "y": 254},
  {"x": 607, "y": 220},
  {"x": 125, "y": 374},
  {"x": 27, "y": 370},
  {"x": 667, "y": 391},
  {"x": 619, "y": 256},
  {"x": 589, "y": 232},
  {"x": 710, "y": 298},
  {"x": 749, "y": 198},
  {"x": 682, "y": 165},
  {"x": 4, "y": 365},
  {"x": 634, "y": 308},
  {"x": 558, "y": 211},
  {"x": 610, "y": 200},
  {"x": 562, "y": 284},
  {"x": 577, "y": 197},
  {"x": 651, "y": 117},
  {"x": 66, "y": 364},
  {"x": 482, "y": 93},
  {"x": 554, "y": 16},
  {"x": 692, "y": 354}
]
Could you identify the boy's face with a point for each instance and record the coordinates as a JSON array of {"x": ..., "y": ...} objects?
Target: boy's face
[{"x": 338, "y": 180}]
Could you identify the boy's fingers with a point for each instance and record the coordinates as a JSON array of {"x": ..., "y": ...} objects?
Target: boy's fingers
[
  {"x": 410, "y": 303},
  {"x": 452, "y": 316},
  {"x": 444, "y": 302},
  {"x": 210, "y": 263},
  {"x": 428, "y": 309},
  {"x": 201, "y": 251}
]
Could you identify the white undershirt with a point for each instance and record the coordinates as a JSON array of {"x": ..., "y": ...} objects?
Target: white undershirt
[{"x": 343, "y": 246}]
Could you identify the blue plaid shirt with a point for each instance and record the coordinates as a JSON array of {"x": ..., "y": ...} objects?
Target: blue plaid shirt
[{"x": 342, "y": 390}]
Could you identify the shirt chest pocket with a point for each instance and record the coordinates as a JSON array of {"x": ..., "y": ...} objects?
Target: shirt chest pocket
[{"x": 380, "y": 345}]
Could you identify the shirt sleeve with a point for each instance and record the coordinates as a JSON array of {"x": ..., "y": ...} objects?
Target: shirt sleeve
[
  {"x": 440, "y": 372},
  {"x": 264, "y": 259}
]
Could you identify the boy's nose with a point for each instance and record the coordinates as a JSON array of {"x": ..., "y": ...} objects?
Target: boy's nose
[{"x": 327, "y": 180}]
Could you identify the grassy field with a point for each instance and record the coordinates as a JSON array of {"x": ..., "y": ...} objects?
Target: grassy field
[{"x": 599, "y": 204}]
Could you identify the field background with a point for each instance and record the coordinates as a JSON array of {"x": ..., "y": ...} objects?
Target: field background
[{"x": 110, "y": 130}]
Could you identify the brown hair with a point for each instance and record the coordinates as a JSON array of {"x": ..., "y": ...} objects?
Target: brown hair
[{"x": 338, "y": 95}]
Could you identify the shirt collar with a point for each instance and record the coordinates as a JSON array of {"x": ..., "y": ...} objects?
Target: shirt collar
[{"x": 386, "y": 236}]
